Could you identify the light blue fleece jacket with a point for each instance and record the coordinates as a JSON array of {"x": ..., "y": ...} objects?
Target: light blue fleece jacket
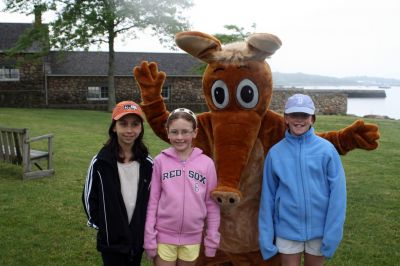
[{"x": 303, "y": 194}]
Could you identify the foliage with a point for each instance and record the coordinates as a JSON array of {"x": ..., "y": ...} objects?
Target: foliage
[
  {"x": 234, "y": 34},
  {"x": 84, "y": 23},
  {"x": 42, "y": 221},
  {"x": 35, "y": 40},
  {"x": 80, "y": 24},
  {"x": 29, "y": 7}
]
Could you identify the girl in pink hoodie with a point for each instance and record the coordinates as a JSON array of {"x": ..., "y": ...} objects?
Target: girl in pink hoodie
[{"x": 180, "y": 198}]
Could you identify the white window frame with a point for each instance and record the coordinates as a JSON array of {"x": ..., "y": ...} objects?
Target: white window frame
[
  {"x": 9, "y": 74},
  {"x": 96, "y": 93}
]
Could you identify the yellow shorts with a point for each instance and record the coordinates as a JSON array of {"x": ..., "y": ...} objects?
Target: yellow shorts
[{"x": 169, "y": 252}]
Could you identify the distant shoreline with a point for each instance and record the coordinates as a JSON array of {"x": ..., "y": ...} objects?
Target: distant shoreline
[
  {"x": 356, "y": 93},
  {"x": 371, "y": 116},
  {"x": 351, "y": 93}
]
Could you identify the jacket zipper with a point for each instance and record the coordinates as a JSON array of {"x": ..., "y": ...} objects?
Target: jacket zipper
[
  {"x": 104, "y": 207},
  {"x": 184, "y": 196},
  {"x": 301, "y": 159}
]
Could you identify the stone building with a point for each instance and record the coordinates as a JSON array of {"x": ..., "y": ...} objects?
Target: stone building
[{"x": 79, "y": 79}]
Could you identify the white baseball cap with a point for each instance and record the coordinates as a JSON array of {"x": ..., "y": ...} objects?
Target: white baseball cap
[{"x": 299, "y": 103}]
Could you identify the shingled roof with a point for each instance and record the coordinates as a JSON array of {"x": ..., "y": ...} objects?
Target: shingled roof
[
  {"x": 96, "y": 63},
  {"x": 85, "y": 63},
  {"x": 9, "y": 34}
]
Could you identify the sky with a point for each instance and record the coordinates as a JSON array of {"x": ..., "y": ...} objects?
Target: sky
[{"x": 337, "y": 38}]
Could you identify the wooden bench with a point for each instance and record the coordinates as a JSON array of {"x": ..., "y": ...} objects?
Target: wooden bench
[{"x": 15, "y": 148}]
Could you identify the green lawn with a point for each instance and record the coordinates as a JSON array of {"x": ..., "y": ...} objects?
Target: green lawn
[{"x": 42, "y": 221}]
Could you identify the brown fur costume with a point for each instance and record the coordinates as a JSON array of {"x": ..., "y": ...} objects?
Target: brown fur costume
[{"x": 237, "y": 132}]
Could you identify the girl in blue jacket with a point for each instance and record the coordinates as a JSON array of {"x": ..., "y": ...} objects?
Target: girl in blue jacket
[{"x": 303, "y": 200}]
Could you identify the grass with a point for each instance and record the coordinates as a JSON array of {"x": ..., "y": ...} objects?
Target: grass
[{"x": 42, "y": 221}]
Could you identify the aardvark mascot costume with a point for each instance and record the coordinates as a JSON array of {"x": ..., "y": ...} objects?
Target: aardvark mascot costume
[{"x": 237, "y": 132}]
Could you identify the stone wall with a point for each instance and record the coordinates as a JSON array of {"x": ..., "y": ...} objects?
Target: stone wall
[
  {"x": 28, "y": 91},
  {"x": 71, "y": 92},
  {"x": 326, "y": 102},
  {"x": 188, "y": 92}
]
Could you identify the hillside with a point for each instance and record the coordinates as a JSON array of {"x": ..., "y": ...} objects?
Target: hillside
[{"x": 301, "y": 79}]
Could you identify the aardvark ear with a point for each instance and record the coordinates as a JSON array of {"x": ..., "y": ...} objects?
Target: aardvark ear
[
  {"x": 198, "y": 44},
  {"x": 263, "y": 45}
]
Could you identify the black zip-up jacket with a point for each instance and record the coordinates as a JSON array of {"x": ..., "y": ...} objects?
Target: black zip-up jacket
[{"x": 105, "y": 207}]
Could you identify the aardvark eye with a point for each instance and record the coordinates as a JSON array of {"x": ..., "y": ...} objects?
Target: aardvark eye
[
  {"x": 247, "y": 94},
  {"x": 220, "y": 94}
]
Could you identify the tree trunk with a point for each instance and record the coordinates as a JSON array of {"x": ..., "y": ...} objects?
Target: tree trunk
[{"x": 111, "y": 68}]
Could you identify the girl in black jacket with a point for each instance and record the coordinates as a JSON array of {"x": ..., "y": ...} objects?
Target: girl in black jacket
[{"x": 116, "y": 191}]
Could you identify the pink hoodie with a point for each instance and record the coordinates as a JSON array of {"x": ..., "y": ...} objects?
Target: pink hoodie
[{"x": 180, "y": 202}]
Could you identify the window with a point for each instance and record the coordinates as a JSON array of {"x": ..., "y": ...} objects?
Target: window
[
  {"x": 9, "y": 74},
  {"x": 166, "y": 92},
  {"x": 97, "y": 93}
]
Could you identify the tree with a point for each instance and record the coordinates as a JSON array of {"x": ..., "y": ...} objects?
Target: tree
[
  {"x": 80, "y": 24},
  {"x": 84, "y": 23},
  {"x": 235, "y": 34},
  {"x": 34, "y": 40}
]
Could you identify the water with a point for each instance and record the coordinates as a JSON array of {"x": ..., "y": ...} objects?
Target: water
[{"x": 389, "y": 106}]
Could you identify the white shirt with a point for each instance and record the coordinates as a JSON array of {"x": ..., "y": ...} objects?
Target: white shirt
[{"x": 129, "y": 178}]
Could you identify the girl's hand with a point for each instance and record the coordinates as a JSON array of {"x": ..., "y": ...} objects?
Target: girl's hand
[
  {"x": 151, "y": 253},
  {"x": 210, "y": 252}
]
